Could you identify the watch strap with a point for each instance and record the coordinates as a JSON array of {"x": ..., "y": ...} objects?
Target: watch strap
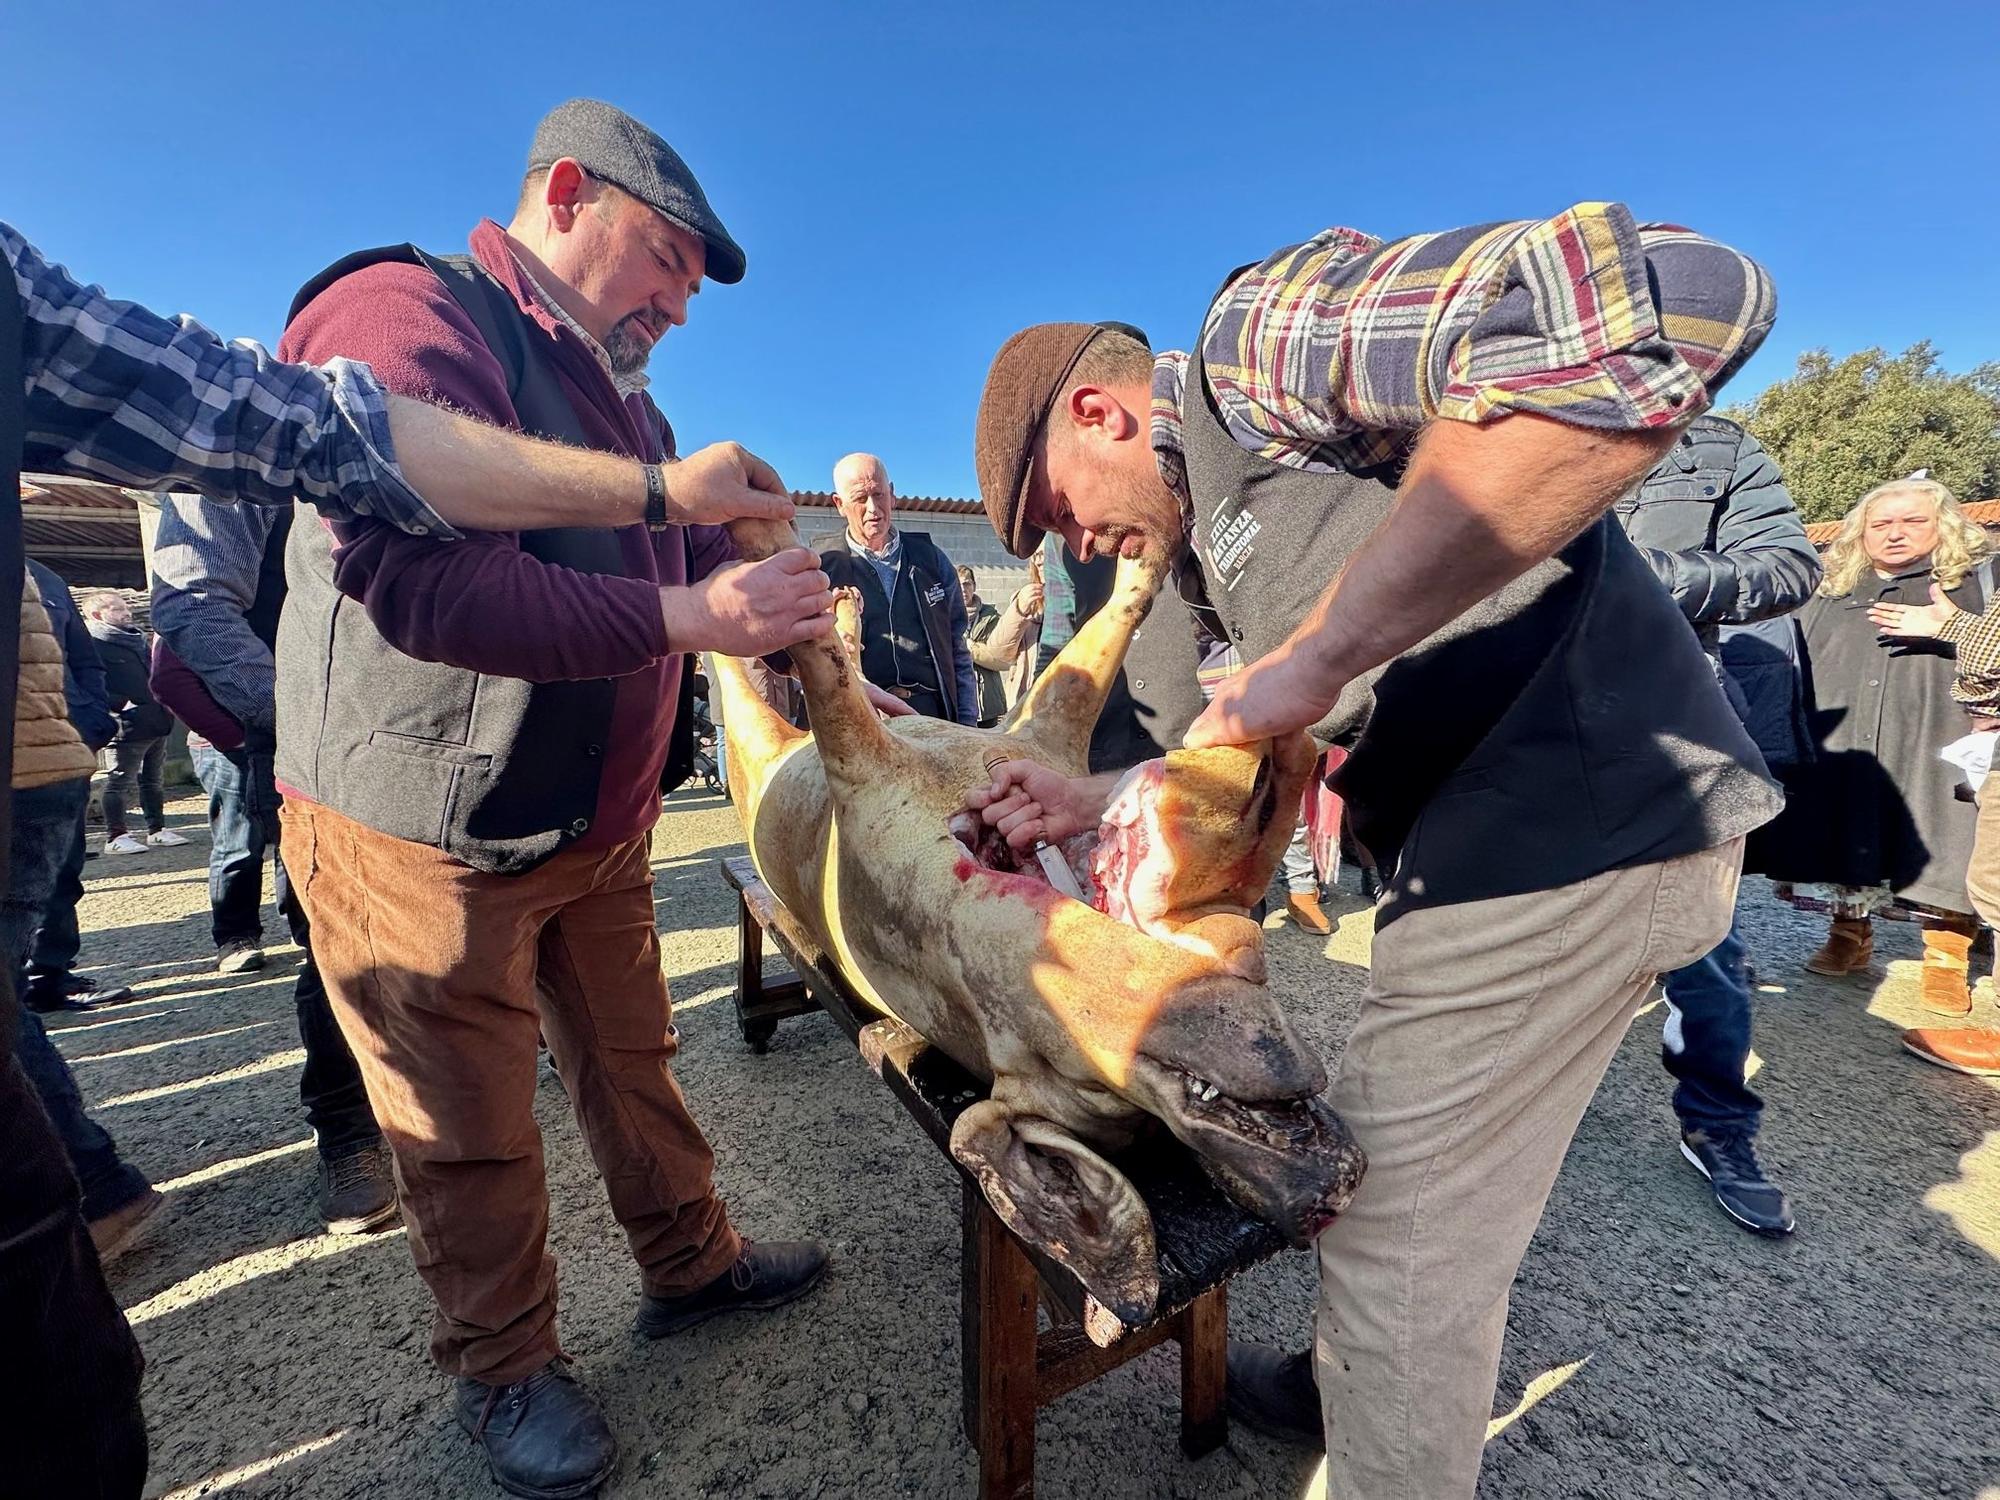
[{"x": 656, "y": 498}]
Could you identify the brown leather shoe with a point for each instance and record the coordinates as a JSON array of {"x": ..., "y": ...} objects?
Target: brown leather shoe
[
  {"x": 1848, "y": 949},
  {"x": 1968, "y": 1049},
  {"x": 1304, "y": 907},
  {"x": 1943, "y": 988},
  {"x": 119, "y": 1230}
]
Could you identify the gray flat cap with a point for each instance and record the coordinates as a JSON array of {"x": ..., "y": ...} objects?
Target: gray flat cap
[{"x": 608, "y": 143}]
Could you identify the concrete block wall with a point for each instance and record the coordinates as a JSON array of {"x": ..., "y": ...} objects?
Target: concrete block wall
[{"x": 967, "y": 540}]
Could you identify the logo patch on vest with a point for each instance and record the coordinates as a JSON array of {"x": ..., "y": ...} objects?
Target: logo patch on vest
[
  {"x": 934, "y": 594},
  {"x": 1232, "y": 533}
]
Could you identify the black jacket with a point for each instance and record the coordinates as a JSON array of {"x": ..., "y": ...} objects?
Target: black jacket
[
  {"x": 83, "y": 674},
  {"x": 1720, "y": 530},
  {"x": 127, "y": 659},
  {"x": 1876, "y": 803}
]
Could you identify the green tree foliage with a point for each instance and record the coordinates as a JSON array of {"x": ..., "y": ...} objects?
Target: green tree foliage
[{"x": 1839, "y": 429}]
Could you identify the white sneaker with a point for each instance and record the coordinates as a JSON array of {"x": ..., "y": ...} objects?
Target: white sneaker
[
  {"x": 166, "y": 838},
  {"x": 125, "y": 843}
]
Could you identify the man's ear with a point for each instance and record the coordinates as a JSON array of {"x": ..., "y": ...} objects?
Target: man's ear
[
  {"x": 563, "y": 192},
  {"x": 1067, "y": 1201},
  {"x": 1093, "y": 408}
]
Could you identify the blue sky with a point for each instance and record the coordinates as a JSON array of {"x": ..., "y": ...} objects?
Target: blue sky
[{"x": 912, "y": 183}]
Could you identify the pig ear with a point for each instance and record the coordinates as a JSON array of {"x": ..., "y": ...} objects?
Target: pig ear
[
  {"x": 1061, "y": 709},
  {"x": 1067, "y": 1201}
]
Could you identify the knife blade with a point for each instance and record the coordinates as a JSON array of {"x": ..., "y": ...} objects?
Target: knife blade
[{"x": 1055, "y": 869}]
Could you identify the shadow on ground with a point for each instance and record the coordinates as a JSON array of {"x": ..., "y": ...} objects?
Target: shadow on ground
[{"x": 1653, "y": 1349}]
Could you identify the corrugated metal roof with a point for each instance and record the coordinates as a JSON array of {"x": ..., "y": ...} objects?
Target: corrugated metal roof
[{"x": 86, "y": 531}]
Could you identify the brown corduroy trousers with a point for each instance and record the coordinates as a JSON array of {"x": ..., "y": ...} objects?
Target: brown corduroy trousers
[{"x": 441, "y": 977}]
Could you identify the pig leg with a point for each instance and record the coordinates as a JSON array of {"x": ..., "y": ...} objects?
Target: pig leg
[
  {"x": 853, "y": 745},
  {"x": 758, "y": 737},
  {"x": 1058, "y": 713},
  {"x": 1065, "y": 1200}
]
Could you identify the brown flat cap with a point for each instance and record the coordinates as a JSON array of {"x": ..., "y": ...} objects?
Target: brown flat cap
[{"x": 1027, "y": 376}]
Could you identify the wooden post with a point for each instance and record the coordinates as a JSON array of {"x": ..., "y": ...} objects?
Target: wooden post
[
  {"x": 1000, "y": 1339},
  {"x": 749, "y": 959},
  {"x": 1204, "y": 1337}
]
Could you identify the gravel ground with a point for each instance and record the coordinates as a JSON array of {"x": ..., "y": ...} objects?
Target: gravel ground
[{"x": 1653, "y": 1349}]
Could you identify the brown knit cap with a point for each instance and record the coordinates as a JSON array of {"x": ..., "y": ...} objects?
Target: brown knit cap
[{"x": 1027, "y": 376}]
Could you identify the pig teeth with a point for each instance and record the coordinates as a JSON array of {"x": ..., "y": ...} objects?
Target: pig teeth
[{"x": 1208, "y": 1094}]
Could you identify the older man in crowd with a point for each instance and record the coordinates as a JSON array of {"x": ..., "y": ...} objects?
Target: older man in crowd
[
  {"x": 471, "y": 742},
  {"x": 1400, "y": 518},
  {"x": 913, "y": 619}
]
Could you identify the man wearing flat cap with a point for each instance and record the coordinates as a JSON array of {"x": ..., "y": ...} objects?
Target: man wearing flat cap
[
  {"x": 1385, "y": 472},
  {"x": 472, "y": 741}
]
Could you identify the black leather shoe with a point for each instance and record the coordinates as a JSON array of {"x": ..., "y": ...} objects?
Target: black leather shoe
[
  {"x": 763, "y": 1276},
  {"x": 47, "y": 994},
  {"x": 543, "y": 1435},
  {"x": 1275, "y": 1393}
]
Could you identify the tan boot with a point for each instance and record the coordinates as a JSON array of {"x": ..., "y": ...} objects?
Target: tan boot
[
  {"x": 1847, "y": 950},
  {"x": 1304, "y": 907},
  {"x": 1943, "y": 988}
]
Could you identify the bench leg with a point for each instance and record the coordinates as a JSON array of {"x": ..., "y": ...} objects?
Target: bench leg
[
  {"x": 750, "y": 979},
  {"x": 1000, "y": 1293},
  {"x": 1204, "y": 1340}
]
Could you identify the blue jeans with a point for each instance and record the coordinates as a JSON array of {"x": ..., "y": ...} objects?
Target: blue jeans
[
  {"x": 59, "y": 941},
  {"x": 236, "y": 846},
  {"x": 46, "y": 818},
  {"x": 243, "y": 826},
  {"x": 1706, "y": 1044}
]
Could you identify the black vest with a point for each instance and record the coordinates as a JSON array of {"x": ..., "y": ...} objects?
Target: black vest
[
  {"x": 905, "y": 641},
  {"x": 268, "y": 604},
  {"x": 1565, "y": 726},
  {"x": 1157, "y": 692},
  {"x": 497, "y": 772}
]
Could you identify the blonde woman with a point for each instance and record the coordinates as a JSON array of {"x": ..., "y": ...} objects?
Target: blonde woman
[{"x": 1874, "y": 817}]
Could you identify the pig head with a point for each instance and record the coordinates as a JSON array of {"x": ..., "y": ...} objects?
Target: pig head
[{"x": 1089, "y": 1019}]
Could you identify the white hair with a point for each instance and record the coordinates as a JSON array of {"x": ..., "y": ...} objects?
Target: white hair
[{"x": 861, "y": 463}]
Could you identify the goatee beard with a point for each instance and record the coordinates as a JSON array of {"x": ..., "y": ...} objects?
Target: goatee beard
[{"x": 627, "y": 352}]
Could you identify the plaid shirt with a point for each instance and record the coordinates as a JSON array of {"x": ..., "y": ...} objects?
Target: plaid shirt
[
  {"x": 1977, "y": 638},
  {"x": 1332, "y": 354},
  {"x": 116, "y": 392}
]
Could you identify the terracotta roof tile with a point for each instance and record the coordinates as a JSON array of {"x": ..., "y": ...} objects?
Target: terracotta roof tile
[
  {"x": 924, "y": 504},
  {"x": 1985, "y": 512}
]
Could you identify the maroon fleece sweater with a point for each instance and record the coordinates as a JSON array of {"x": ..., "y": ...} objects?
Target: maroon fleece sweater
[{"x": 482, "y": 603}]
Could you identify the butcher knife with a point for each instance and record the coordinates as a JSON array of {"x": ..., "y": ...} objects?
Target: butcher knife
[{"x": 1054, "y": 866}]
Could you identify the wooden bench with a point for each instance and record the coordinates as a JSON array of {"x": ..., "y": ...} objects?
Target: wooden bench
[{"x": 1010, "y": 1367}]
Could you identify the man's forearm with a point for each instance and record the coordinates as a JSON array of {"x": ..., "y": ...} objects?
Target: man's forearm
[
  {"x": 1479, "y": 506},
  {"x": 487, "y": 478}
]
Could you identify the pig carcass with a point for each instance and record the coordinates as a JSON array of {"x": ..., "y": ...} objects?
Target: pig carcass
[{"x": 1090, "y": 1019}]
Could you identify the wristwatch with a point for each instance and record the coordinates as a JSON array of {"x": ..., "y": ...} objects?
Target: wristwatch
[{"x": 656, "y": 498}]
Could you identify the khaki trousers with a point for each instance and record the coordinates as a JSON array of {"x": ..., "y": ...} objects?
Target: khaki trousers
[
  {"x": 441, "y": 976},
  {"x": 1485, "y": 1030},
  {"x": 1982, "y": 876}
]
